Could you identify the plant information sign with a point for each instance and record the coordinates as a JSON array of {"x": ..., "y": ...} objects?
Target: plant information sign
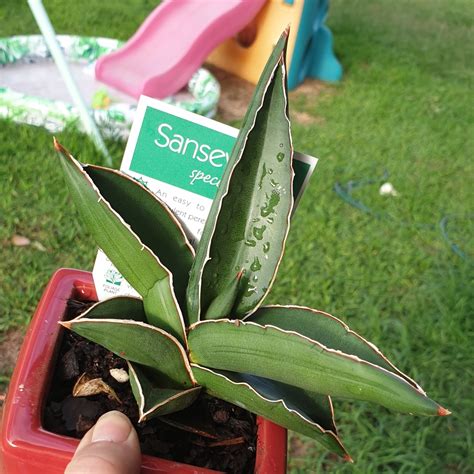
[{"x": 179, "y": 156}]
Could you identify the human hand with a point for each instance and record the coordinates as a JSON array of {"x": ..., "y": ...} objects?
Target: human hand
[{"x": 109, "y": 447}]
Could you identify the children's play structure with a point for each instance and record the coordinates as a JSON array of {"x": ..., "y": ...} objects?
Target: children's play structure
[
  {"x": 310, "y": 46},
  {"x": 160, "y": 59},
  {"x": 178, "y": 36},
  {"x": 172, "y": 44},
  {"x": 46, "y": 101}
]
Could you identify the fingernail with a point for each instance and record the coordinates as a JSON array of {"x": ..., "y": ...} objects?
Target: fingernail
[{"x": 114, "y": 427}]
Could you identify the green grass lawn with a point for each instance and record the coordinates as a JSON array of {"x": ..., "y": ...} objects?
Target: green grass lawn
[{"x": 405, "y": 105}]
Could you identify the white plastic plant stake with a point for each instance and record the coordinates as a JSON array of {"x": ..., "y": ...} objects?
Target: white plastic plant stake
[{"x": 47, "y": 30}]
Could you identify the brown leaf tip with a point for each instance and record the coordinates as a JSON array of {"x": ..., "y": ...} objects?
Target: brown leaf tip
[
  {"x": 57, "y": 145},
  {"x": 347, "y": 458},
  {"x": 443, "y": 412},
  {"x": 65, "y": 324}
]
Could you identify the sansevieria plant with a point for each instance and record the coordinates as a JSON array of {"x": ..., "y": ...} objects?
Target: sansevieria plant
[{"x": 200, "y": 324}]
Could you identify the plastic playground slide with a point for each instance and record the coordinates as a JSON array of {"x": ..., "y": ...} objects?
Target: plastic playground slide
[
  {"x": 310, "y": 50},
  {"x": 172, "y": 43}
]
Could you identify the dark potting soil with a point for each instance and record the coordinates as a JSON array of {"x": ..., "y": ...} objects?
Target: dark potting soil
[{"x": 211, "y": 433}]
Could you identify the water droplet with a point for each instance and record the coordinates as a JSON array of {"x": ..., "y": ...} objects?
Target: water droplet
[
  {"x": 270, "y": 171},
  {"x": 269, "y": 208},
  {"x": 255, "y": 219},
  {"x": 274, "y": 183},
  {"x": 264, "y": 173},
  {"x": 255, "y": 278},
  {"x": 250, "y": 290},
  {"x": 258, "y": 232},
  {"x": 266, "y": 247},
  {"x": 250, "y": 243},
  {"x": 256, "y": 265},
  {"x": 280, "y": 157},
  {"x": 270, "y": 220}
]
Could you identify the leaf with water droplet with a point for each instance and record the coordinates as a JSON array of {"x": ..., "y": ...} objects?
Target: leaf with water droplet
[{"x": 246, "y": 193}]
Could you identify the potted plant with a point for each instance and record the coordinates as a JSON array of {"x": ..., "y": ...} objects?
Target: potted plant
[
  {"x": 26, "y": 446},
  {"x": 199, "y": 326}
]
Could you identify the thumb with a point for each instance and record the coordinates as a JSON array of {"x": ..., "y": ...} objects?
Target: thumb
[{"x": 109, "y": 447}]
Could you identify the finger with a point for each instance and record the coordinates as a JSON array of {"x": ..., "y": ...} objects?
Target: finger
[{"x": 110, "y": 447}]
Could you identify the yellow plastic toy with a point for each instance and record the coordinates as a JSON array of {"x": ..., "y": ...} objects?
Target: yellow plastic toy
[{"x": 309, "y": 54}]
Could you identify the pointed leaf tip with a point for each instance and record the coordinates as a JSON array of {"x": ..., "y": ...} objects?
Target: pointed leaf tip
[
  {"x": 65, "y": 324},
  {"x": 59, "y": 148},
  {"x": 57, "y": 145},
  {"x": 347, "y": 458},
  {"x": 443, "y": 411}
]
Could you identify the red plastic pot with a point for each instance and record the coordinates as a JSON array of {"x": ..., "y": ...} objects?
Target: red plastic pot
[{"x": 26, "y": 447}]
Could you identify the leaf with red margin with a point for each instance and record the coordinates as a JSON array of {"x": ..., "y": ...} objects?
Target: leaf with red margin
[
  {"x": 288, "y": 357},
  {"x": 133, "y": 259},
  {"x": 327, "y": 330},
  {"x": 152, "y": 398},
  {"x": 249, "y": 218},
  {"x": 141, "y": 343},
  {"x": 299, "y": 411},
  {"x": 151, "y": 219}
]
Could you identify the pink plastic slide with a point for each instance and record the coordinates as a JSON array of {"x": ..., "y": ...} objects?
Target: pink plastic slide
[{"x": 172, "y": 43}]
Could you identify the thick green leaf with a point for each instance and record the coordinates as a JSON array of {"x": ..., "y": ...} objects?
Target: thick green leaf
[
  {"x": 293, "y": 359},
  {"x": 119, "y": 307},
  {"x": 141, "y": 343},
  {"x": 274, "y": 401},
  {"x": 162, "y": 309},
  {"x": 134, "y": 260},
  {"x": 249, "y": 218},
  {"x": 151, "y": 219},
  {"x": 318, "y": 407},
  {"x": 327, "y": 330},
  {"x": 154, "y": 400}
]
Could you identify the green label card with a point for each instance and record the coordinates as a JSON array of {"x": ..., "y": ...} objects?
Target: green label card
[{"x": 183, "y": 153}]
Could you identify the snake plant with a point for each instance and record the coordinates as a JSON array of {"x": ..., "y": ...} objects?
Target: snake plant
[{"x": 200, "y": 324}]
